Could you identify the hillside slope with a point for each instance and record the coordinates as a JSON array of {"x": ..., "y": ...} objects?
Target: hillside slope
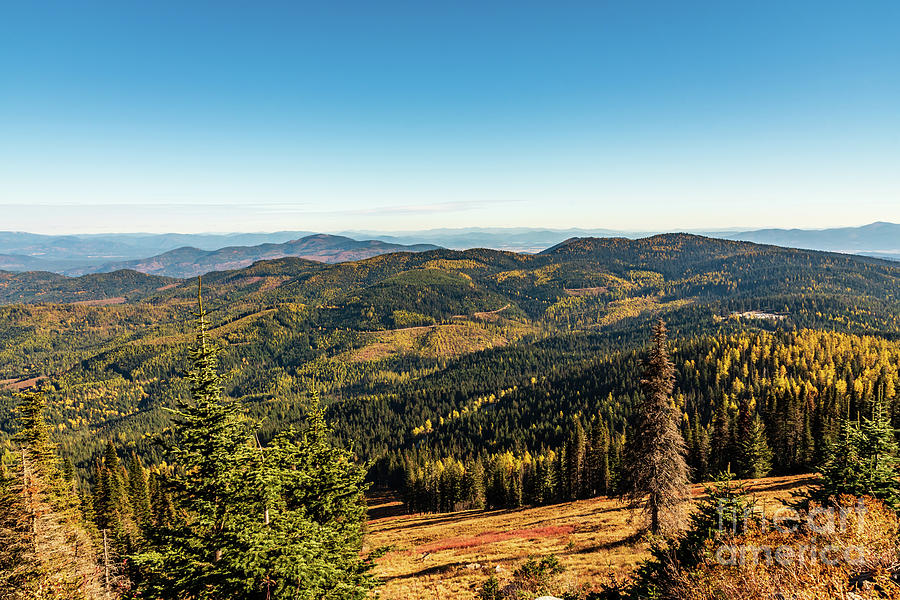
[
  {"x": 451, "y": 555},
  {"x": 34, "y": 287},
  {"x": 394, "y": 341}
]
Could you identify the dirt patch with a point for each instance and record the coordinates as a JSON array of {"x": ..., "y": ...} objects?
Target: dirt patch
[
  {"x": 376, "y": 351},
  {"x": 491, "y": 315},
  {"x": 273, "y": 282},
  {"x": 268, "y": 283},
  {"x": 588, "y": 291},
  {"x": 101, "y": 302},
  {"x": 20, "y": 384}
]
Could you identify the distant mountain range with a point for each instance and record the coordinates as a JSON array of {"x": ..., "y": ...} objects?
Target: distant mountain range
[
  {"x": 877, "y": 239},
  {"x": 187, "y": 255},
  {"x": 190, "y": 262},
  {"x": 393, "y": 281},
  {"x": 77, "y": 255},
  {"x": 62, "y": 251},
  {"x": 512, "y": 239}
]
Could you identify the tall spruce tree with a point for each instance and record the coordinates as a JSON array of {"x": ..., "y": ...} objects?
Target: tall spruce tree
[
  {"x": 307, "y": 528},
  {"x": 655, "y": 472},
  {"x": 112, "y": 508},
  {"x": 162, "y": 510},
  {"x": 755, "y": 456},
  {"x": 20, "y": 568},
  {"x": 597, "y": 460},
  {"x": 720, "y": 444},
  {"x": 699, "y": 452},
  {"x": 473, "y": 483},
  {"x": 575, "y": 449},
  {"x": 138, "y": 490},
  {"x": 247, "y": 521},
  {"x": 211, "y": 447}
]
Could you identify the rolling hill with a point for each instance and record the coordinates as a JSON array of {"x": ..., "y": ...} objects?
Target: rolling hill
[
  {"x": 37, "y": 287},
  {"x": 79, "y": 254},
  {"x": 190, "y": 262},
  {"x": 20, "y": 262},
  {"x": 876, "y": 238},
  {"x": 93, "y": 249}
]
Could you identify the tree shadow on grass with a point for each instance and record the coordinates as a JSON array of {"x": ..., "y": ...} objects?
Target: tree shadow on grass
[
  {"x": 435, "y": 570},
  {"x": 628, "y": 540}
]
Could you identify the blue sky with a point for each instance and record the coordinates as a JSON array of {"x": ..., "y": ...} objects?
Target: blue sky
[{"x": 124, "y": 116}]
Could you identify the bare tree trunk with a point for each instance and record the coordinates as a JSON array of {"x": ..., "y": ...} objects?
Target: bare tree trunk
[
  {"x": 106, "y": 563},
  {"x": 29, "y": 500}
]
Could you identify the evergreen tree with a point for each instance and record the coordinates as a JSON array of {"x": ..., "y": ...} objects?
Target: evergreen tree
[
  {"x": 807, "y": 451},
  {"x": 616, "y": 452},
  {"x": 474, "y": 483},
  {"x": 597, "y": 461},
  {"x": 699, "y": 452},
  {"x": 138, "y": 490},
  {"x": 743, "y": 423},
  {"x": 211, "y": 449},
  {"x": 305, "y": 533},
  {"x": 112, "y": 509},
  {"x": 67, "y": 471},
  {"x": 604, "y": 473},
  {"x": 755, "y": 455},
  {"x": 720, "y": 444},
  {"x": 790, "y": 435},
  {"x": 284, "y": 521},
  {"x": 20, "y": 567},
  {"x": 546, "y": 479},
  {"x": 863, "y": 460},
  {"x": 411, "y": 486},
  {"x": 574, "y": 460},
  {"x": 162, "y": 510},
  {"x": 656, "y": 471}
]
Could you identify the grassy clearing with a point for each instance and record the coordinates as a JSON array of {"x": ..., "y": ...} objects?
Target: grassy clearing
[
  {"x": 450, "y": 555},
  {"x": 436, "y": 341}
]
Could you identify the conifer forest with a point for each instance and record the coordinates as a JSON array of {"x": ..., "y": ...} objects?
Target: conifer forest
[{"x": 220, "y": 439}]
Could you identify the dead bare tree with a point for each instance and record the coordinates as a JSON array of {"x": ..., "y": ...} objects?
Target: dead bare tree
[{"x": 656, "y": 474}]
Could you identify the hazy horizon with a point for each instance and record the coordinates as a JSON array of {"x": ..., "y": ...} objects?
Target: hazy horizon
[{"x": 77, "y": 219}]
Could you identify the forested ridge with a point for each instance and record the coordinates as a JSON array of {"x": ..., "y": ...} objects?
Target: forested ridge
[
  {"x": 460, "y": 379},
  {"x": 776, "y": 395},
  {"x": 399, "y": 341}
]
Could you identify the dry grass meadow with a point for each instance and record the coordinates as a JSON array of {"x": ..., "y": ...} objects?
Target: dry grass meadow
[{"x": 448, "y": 556}]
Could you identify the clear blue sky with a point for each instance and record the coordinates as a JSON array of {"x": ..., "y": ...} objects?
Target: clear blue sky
[{"x": 406, "y": 115}]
